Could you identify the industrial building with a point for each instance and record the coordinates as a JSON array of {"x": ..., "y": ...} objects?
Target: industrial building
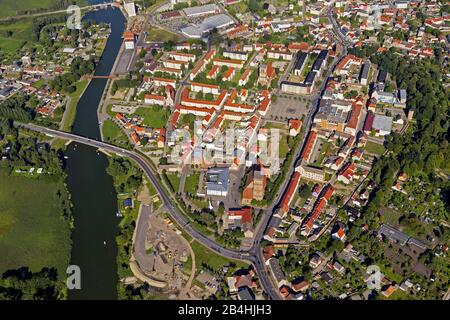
[
  {"x": 214, "y": 22},
  {"x": 201, "y": 10}
]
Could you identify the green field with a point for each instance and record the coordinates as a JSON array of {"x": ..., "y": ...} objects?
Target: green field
[
  {"x": 204, "y": 255},
  {"x": 240, "y": 7},
  {"x": 160, "y": 35},
  {"x": 113, "y": 134},
  {"x": 283, "y": 146},
  {"x": 321, "y": 154},
  {"x": 32, "y": 231},
  {"x": 191, "y": 183},
  {"x": 154, "y": 116},
  {"x": 374, "y": 148},
  {"x": 174, "y": 180},
  {"x": 22, "y": 32},
  {"x": 187, "y": 120}
]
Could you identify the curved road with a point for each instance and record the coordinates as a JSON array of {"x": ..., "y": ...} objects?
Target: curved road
[
  {"x": 176, "y": 215},
  {"x": 254, "y": 254}
]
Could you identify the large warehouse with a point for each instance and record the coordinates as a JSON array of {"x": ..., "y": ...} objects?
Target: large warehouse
[
  {"x": 199, "y": 30},
  {"x": 201, "y": 10}
]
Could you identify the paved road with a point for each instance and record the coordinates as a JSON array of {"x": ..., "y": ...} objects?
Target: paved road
[
  {"x": 139, "y": 251},
  {"x": 48, "y": 13},
  {"x": 254, "y": 255},
  {"x": 176, "y": 215},
  {"x": 262, "y": 272}
]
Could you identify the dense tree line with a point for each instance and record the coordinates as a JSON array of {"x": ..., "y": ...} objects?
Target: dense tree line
[
  {"x": 40, "y": 23},
  {"x": 58, "y": 5},
  {"x": 27, "y": 151},
  {"x": 127, "y": 178},
  {"x": 16, "y": 108},
  {"x": 78, "y": 68},
  {"x": 421, "y": 151},
  {"x": 22, "y": 284}
]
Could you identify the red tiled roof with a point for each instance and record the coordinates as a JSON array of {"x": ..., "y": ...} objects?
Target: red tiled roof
[
  {"x": 295, "y": 124},
  {"x": 245, "y": 213},
  {"x": 287, "y": 197},
  {"x": 311, "y": 140},
  {"x": 369, "y": 122}
]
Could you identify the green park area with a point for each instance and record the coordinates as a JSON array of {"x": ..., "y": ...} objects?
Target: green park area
[
  {"x": 325, "y": 145},
  {"x": 187, "y": 120},
  {"x": 206, "y": 257},
  {"x": 374, "y": 148},
  {"x": 174, "y": 181},
  {"x": 161, "y": 35},
  {"x": 191, "y": 183},
  {"x": 154, "y": 116},
  {"x": 14, "y": 35},
  {"x": 33, "y": 232},
  {"x": 113, "y": 134},
  {"x": 283, "y": 146}
]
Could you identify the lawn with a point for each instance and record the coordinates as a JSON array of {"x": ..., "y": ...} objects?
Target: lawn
[
  {"x": 374, "y": 148},
  {"x": 151, "y": 189},
  {"x": 22, "y": 30},
  {"x": 283, "y": 146},
  {"x": 174, "y": 180},
  {"x": 160, "y": 35},
  {"x": 275, "y": 125},
  {"x": 113, "y": 134},
  {"x": 203, "y": 255},
  {"x": 240, "y": 7},
  {"x": 201, "y": 203},
  {"x": 32, "y": 231},
  {"x": 21, "y": 33},
  {"x": 154, "y": 116},
  {"x": 71, "y": 108},
  {"x": 187, "y": 120},
  {"x": 39, "y": 84},
  {"x": 191, "y": 183}
]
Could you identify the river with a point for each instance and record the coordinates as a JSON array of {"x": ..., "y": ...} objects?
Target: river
[{"x": 94, "y": 198}]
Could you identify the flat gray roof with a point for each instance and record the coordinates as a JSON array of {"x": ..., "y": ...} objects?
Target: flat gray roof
[
  {"x": 301, "y": 58},
  {"x": 365, "y": 70},
  {"x": 382, "y": 123},
  {"x": 217, "y": 179},
  {"x": 393, "y": 234},
  {"x": 217, "y": 21},
  {"x": 276, "y": 269},
  {"x": 207, "y": 8}
]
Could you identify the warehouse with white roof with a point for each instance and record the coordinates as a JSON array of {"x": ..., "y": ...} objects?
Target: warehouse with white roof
[
  {"x": 199, "y": 30},
  {"x": 201, "y": 10}
]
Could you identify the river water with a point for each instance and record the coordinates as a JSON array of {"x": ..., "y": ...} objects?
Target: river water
[{"x": 94, "y": 198}]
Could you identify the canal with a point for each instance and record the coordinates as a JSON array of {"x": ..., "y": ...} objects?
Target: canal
[{"x": 94, "y": 198}]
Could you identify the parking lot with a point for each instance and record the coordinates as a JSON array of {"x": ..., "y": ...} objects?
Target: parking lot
[{"x": 287, "y": 106}]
